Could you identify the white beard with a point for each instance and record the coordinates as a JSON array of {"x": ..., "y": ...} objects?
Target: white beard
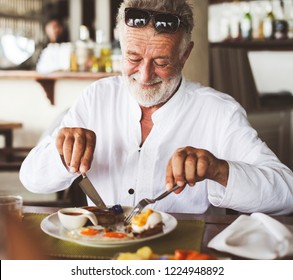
[{"x": 157, "y": 95}]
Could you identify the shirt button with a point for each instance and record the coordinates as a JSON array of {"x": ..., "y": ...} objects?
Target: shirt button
[{"x": 131, "y": 191}]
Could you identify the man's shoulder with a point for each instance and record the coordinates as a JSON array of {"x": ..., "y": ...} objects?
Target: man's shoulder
[{"x": 207, "y": 94}]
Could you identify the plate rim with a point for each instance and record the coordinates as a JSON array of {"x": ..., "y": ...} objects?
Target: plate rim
[{"x": 117, "y": 243}]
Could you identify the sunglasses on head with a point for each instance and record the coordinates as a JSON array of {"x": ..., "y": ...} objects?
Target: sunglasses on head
[{"x": 162, "y": 22}]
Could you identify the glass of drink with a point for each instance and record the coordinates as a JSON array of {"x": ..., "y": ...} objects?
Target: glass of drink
[
  {"x": 11, "y": 205},
  {"x": 10, "y": 212}
]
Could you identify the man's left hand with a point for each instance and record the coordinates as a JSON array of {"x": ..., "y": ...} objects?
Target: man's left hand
[{"x": 190, "y": 165}]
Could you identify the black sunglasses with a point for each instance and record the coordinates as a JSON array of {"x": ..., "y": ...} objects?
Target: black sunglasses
[{"x": 162, "y": 22}]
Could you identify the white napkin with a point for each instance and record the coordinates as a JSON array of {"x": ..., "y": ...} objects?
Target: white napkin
[{"x": 257, "y": 236}]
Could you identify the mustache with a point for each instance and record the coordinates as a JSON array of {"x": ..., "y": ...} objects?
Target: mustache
[{"x": 136, "y": 77}]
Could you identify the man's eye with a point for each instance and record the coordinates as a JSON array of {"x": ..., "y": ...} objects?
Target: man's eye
[
  {"x": 162, "y": 63},
  {"x": 134, "y": 60}
]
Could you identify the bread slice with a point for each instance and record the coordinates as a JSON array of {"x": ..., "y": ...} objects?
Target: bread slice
[{"x": 158, "y": 228}]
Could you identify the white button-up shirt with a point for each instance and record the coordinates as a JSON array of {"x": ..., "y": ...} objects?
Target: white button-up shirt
[{"x": 195, "y": 116}]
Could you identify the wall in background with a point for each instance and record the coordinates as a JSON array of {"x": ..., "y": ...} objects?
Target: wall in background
[
  {"x": 272, "y": 70},
  {"x": 197, "y": 66},
  {"x": 25, "y": 101}
]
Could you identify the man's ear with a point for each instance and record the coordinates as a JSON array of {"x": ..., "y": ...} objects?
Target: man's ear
[{"x": 187, "y": 53}]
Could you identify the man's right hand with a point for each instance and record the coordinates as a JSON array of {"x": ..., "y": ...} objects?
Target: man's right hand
[{"x": 76, "y": 146}]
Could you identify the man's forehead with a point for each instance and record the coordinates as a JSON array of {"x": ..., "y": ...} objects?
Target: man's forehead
[{"x": 148, "y": 36}]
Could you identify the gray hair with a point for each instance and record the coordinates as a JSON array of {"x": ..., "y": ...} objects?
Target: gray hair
[{"x": 177, "y": 7}]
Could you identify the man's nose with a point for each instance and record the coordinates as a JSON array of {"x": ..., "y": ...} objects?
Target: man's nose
[{"x": 147, "y": 72}]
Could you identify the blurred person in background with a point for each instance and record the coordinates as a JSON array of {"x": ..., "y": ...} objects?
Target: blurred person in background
[
  {"x": 55, "y": 53},
  {"x": 55, "y": 30}
]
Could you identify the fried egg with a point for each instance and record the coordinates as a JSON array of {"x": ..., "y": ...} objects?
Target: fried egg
[
  {"x": 99, "y": 233},
  {"x": 145, "y": 221}
]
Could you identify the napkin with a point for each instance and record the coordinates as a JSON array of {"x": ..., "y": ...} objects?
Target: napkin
[{"x": 257, "y": 236}]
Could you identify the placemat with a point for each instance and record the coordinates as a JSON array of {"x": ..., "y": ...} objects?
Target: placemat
[{"x": 187, "y": 236}]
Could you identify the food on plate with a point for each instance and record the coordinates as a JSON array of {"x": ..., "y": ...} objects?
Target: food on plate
[
  {"x": 115, "y": 234},
  {"x": 111, "y": 226},
  {"x": 146, "y": 253},
  {"x": 146, "y": 224},
  {"x": 110, "y": 216},
  {"x": 89, "y": 231},
  {"x": 99, "y": 233},
  {"x": 143, "y": 253},
  {"x": 191, "y": 255}
]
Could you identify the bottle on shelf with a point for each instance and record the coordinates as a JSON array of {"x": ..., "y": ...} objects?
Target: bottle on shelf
[
  {"x": 234, "y": 17},
  {"x": 84, "y": 50},
  {"x": 290, "y": 23},
  {"x": 246, "y": 24},
  {"x": 280, "y": 24},
  {"x": 281, "y": 29},
  {"x": 73, "y": 59},
  {"x": 268, "y": 23},
  {"x": 116, "y": 53},
  {"x": 288, "y": 16},
  {"x": 257, "y": 20},
  {"x": 103, "y": 52}
]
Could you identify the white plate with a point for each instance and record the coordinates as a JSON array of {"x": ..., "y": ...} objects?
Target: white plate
[{"x": 52, "y": 226}]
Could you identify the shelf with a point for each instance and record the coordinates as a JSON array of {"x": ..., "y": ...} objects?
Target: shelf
[
  {"x": 258, "y": 44},
  {"x": 230, "y": 72},
  {"x": 47, "y": 81},
  {"x": 224, "y": 1},
  {"x": 29, "y": 16}
]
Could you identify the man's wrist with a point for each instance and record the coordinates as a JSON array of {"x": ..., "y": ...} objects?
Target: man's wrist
[{"x": 223, "y": 173}]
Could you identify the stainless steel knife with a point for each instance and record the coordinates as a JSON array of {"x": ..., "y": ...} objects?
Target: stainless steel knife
[{"x": 91, "y": 192}]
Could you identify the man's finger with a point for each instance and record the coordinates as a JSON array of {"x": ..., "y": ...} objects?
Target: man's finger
[
  {"x": 190, "y": 169},
  {"x": 178, "y": 167},
  {"x": 59, "y": 143},
  {"x": 77, "y": 151},
  {"x": 169, "y": 176},
  {"x": 67, "y": 149},
  {"x": 202, "y": 167},
  {"x": 88, "y": 153}
]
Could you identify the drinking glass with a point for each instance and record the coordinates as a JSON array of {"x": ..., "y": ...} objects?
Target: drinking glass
[
  {"x": 10, "y": 212},
  {"x": 11, "y": 205}
]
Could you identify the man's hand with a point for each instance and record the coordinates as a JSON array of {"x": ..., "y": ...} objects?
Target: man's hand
[
  {"x": 190, "y": 165},
  {"x": 76, "y": 146}
]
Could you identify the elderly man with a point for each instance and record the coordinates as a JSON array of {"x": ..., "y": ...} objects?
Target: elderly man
[{"x": 150, "y": 129}]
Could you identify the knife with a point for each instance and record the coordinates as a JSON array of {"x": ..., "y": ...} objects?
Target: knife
[{"x": 91, "y": 192}]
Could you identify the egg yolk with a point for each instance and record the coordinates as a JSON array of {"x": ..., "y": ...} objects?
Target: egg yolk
[
  {"x": 89, "y": 231},
  {"x": 113, "y": 234},
  {"x": 140, "y": 220}
]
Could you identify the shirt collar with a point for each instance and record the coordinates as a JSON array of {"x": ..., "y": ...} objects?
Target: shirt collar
[{"x": 169, "y": 109}]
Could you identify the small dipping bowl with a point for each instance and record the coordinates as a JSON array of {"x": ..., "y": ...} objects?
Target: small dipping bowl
[{"x": 73, "y": 218}]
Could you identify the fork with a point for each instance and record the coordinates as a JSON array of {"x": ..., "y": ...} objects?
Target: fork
[{"x": 144, "y": 202}]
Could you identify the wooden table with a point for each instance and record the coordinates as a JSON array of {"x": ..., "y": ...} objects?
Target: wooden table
[
  {"x": 214, "y": 224},
  {"x": 6, "y": 129}
]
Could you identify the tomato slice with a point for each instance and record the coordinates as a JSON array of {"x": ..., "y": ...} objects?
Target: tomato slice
[
  {"x": 191, "y": 255},
  {"x": 114, "y": 234},
  {"x": 180, "y": 254}
]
